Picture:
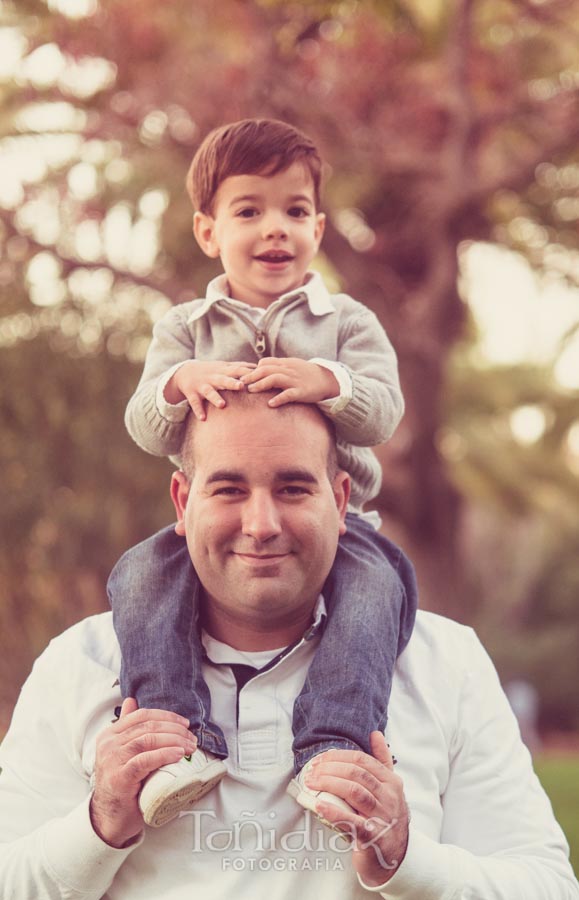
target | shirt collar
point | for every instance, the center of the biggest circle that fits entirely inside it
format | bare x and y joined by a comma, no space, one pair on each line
223,654
314,290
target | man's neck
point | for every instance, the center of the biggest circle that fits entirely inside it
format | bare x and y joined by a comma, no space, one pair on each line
249,637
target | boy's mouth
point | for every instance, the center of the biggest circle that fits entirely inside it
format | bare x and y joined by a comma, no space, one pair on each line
275,256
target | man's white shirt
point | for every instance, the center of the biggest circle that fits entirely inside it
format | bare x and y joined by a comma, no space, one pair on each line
481,826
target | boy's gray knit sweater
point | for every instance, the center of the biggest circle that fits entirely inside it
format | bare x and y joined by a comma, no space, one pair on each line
309,323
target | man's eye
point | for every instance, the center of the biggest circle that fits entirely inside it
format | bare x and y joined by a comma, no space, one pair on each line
294,490
227,491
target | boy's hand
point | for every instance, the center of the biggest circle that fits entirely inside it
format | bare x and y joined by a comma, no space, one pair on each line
378,823
197,381
299,380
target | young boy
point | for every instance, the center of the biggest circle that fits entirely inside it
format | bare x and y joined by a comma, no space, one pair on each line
267,322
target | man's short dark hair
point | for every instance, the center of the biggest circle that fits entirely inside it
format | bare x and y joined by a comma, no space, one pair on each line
249,147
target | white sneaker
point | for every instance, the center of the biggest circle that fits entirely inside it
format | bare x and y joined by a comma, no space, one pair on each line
308,797
178,786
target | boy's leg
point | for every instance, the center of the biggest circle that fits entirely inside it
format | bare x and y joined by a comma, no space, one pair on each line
154,592
371,600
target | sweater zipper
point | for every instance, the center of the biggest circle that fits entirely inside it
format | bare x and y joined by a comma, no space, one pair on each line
260,344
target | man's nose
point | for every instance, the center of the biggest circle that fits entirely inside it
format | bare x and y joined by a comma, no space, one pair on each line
261,519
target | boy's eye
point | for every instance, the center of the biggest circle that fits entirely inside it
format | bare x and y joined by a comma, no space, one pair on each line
247,212
298,212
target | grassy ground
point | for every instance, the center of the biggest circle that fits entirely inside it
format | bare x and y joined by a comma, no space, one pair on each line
560,777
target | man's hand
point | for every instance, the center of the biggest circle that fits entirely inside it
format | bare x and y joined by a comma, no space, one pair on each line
299,380
197,381
379,823
139,743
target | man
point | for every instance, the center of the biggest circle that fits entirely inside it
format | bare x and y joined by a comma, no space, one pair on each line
261,507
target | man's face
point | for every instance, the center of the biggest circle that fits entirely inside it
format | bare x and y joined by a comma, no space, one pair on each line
262,521
266,230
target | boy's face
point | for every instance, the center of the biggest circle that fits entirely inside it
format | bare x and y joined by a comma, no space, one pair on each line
266,230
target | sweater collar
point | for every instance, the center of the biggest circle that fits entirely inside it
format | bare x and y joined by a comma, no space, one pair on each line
314,291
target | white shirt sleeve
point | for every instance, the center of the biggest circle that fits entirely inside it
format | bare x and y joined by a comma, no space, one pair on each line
336,404
499,838
48,848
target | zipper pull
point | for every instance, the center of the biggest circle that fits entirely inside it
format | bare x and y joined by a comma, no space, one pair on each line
260,343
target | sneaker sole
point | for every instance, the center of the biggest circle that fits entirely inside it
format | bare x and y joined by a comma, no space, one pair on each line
308,801
176,799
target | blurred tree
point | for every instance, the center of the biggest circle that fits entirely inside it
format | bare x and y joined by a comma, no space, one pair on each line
442,123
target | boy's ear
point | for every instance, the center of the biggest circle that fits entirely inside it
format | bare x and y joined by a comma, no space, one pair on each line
204,231
320,227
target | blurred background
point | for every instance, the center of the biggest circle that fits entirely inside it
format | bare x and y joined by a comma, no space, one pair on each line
451,134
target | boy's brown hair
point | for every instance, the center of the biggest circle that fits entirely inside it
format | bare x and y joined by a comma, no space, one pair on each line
249,147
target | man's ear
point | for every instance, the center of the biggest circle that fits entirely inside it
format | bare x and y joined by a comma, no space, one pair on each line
204,231
341,489
180,487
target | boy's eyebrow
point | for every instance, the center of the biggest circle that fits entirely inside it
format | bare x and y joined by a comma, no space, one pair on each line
244,198
253,198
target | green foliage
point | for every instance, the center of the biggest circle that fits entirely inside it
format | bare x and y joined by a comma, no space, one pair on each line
75,490
441,124
560,778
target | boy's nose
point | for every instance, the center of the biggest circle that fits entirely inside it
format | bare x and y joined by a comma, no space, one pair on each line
274,226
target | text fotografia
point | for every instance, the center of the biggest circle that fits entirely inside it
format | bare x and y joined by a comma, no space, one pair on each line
247,837
281,864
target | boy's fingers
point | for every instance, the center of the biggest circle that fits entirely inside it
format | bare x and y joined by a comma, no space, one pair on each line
268,382
212,396
227,383
197,405
242,369
290,396
252,377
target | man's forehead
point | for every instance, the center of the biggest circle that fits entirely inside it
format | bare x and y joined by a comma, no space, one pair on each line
246,430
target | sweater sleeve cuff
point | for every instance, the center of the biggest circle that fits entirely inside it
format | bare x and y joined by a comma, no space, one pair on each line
336,404
424,873
78,857
172,412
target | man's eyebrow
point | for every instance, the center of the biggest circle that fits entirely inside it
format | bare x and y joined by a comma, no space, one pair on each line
303,475
225,475
236,477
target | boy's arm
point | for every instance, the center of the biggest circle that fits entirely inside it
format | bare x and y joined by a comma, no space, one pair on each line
360,391
376,407
172,383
